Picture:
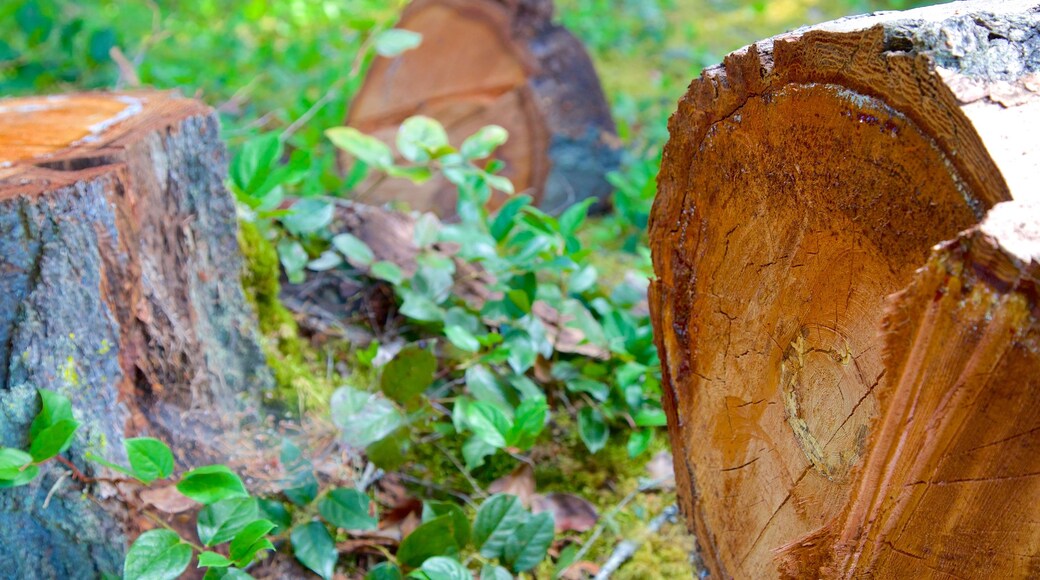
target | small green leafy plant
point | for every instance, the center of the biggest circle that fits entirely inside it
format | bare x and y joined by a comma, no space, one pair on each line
540,288
230,519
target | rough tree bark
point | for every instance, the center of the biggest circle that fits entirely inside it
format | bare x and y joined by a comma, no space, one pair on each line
120,289
805,181
499,62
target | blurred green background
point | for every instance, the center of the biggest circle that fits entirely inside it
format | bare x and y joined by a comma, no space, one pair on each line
265,64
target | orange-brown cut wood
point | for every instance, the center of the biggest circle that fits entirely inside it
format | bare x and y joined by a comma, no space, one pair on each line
806,179
501,62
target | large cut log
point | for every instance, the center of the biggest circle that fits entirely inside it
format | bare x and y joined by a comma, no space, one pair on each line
121,290
806,179
495,62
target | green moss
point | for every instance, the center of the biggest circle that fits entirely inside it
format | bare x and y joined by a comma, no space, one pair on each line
298,369
605,479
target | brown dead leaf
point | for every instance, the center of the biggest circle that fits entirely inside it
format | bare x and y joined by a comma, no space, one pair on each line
581,570
565,338
366,544
569,511
167,499
519,483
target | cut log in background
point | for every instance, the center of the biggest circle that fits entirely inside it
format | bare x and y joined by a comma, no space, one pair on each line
500,62
120,289
836,409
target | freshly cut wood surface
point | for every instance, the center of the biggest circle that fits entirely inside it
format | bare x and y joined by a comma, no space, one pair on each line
952,482
805,181
499,62
121,290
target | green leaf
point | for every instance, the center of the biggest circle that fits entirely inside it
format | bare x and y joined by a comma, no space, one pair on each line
426,229
157,555
300,485
368,150
15,468
314,548
506,216
419,307
54,407
389,453
639,442
491,572
484,142
274,510
571,219
433,538
293,258
462,338
25,476
474,450
226,574
348,509
387,271
485,386
418,174
583,280
363,418
527,546
444,568
528,422
52,440
419,137
150,459
434,509
488,422
211,483
249,541
356,251
12,461
221,521
395,41
497,520
592,428
384,571
307,216
599,391
326,261
408,374
213,560
254,163
649,417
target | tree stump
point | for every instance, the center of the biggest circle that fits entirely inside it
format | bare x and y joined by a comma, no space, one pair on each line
121,290
805,182
500,62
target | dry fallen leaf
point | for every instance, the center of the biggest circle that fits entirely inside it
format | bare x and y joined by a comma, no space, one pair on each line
569,511
167,499
519,483
581,570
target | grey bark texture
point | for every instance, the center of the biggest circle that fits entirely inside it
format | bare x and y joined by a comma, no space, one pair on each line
121,290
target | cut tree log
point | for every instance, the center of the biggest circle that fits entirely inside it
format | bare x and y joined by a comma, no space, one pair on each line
121,290
495,62
805,181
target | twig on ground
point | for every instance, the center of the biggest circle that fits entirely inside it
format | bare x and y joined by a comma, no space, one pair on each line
430,485
627,548
370,475
54,488
602,521
476,486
